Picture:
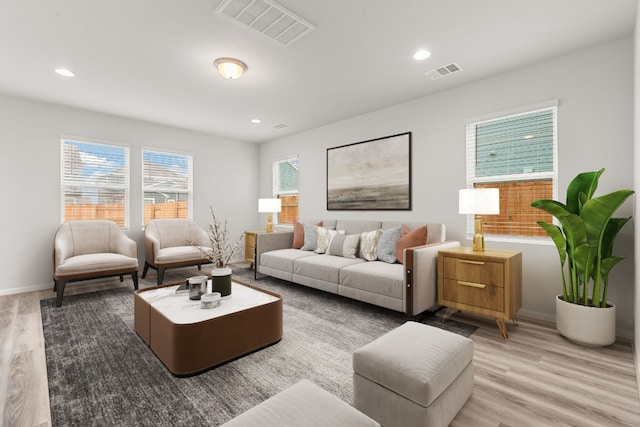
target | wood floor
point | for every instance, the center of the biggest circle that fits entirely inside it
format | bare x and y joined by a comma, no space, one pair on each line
536,378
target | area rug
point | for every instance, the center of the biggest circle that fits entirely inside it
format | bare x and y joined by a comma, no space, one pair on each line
101,373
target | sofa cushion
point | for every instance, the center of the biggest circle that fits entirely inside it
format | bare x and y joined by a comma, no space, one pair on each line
91,237
174,233
377,277
302,405
410,239
387,241
324,239
83,264
310,237
344,246
369,244
356,226
323,267
179,254
298,234
283,259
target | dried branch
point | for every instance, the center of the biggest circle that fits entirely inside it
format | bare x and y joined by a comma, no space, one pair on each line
220,250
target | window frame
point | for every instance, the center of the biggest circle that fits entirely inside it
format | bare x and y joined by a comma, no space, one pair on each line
188,191
126,185
471,179
275,186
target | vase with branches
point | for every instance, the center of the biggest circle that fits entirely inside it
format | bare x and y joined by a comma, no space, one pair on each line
220,252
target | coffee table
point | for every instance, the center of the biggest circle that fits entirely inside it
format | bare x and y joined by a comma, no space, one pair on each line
189,340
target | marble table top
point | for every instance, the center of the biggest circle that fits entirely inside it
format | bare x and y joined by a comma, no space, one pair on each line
179,309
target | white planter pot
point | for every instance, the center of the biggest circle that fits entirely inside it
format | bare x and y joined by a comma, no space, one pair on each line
589,326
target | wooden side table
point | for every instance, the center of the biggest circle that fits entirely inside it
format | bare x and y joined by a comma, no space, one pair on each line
250,238
487,283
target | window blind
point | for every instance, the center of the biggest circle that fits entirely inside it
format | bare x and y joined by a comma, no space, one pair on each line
94,181
167,185
518,155
285,187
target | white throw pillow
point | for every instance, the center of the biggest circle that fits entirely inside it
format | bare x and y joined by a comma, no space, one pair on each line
344,246
324,239
369,244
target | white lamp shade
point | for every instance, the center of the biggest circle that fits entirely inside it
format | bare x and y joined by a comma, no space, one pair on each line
479,201
269,205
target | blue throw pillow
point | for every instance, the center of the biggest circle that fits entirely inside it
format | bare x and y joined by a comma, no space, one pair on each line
387,244
310,237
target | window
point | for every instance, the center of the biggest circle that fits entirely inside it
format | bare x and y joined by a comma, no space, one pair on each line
94,181
285,187
167,185
517,154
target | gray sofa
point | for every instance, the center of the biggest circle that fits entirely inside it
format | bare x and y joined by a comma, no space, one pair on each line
408,286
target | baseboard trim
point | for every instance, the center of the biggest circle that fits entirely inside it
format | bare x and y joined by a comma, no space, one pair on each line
624,334
25,289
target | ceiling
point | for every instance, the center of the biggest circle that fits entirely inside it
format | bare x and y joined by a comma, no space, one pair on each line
152,60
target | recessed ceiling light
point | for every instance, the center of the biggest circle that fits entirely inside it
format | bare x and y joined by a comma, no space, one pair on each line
64,72
256,121
527,137
421,55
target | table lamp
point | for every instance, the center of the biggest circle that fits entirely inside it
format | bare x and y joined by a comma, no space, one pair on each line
269,206
479,201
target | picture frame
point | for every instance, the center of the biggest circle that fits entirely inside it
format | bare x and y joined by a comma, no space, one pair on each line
370,175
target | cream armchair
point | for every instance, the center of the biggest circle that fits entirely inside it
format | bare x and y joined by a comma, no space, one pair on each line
168,243
92,249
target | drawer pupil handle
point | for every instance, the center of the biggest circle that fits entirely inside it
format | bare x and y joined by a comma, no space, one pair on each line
471,284
466,261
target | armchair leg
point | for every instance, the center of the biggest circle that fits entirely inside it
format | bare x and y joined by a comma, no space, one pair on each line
199,266
134,276
59,286
121,278
160,276
145,269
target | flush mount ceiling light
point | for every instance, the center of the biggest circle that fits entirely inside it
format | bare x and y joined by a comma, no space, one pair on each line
64,72
230,68
421,55
256,121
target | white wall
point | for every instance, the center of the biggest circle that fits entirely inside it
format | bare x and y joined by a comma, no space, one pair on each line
225,175
636,186
594,89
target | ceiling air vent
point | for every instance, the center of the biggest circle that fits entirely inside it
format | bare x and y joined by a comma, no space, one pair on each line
268,18
445,70
279,126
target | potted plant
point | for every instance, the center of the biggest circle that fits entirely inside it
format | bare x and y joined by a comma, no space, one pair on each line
585,240
220,252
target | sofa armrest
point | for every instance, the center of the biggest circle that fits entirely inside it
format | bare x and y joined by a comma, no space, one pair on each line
266,242
421,279
62,246
124,245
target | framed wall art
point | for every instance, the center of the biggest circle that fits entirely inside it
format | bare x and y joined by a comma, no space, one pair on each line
370,175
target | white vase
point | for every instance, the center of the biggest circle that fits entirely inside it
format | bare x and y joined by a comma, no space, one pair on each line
221,281
589,326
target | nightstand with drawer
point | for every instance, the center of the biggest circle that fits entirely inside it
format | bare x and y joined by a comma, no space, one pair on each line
487,283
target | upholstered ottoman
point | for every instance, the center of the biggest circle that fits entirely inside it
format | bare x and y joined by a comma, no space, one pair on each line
415,375
302,405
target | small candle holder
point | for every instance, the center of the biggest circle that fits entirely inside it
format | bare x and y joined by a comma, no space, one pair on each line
211,300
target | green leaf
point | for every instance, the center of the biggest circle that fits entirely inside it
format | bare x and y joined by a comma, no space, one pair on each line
581,189
597,211
556,235
553,207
